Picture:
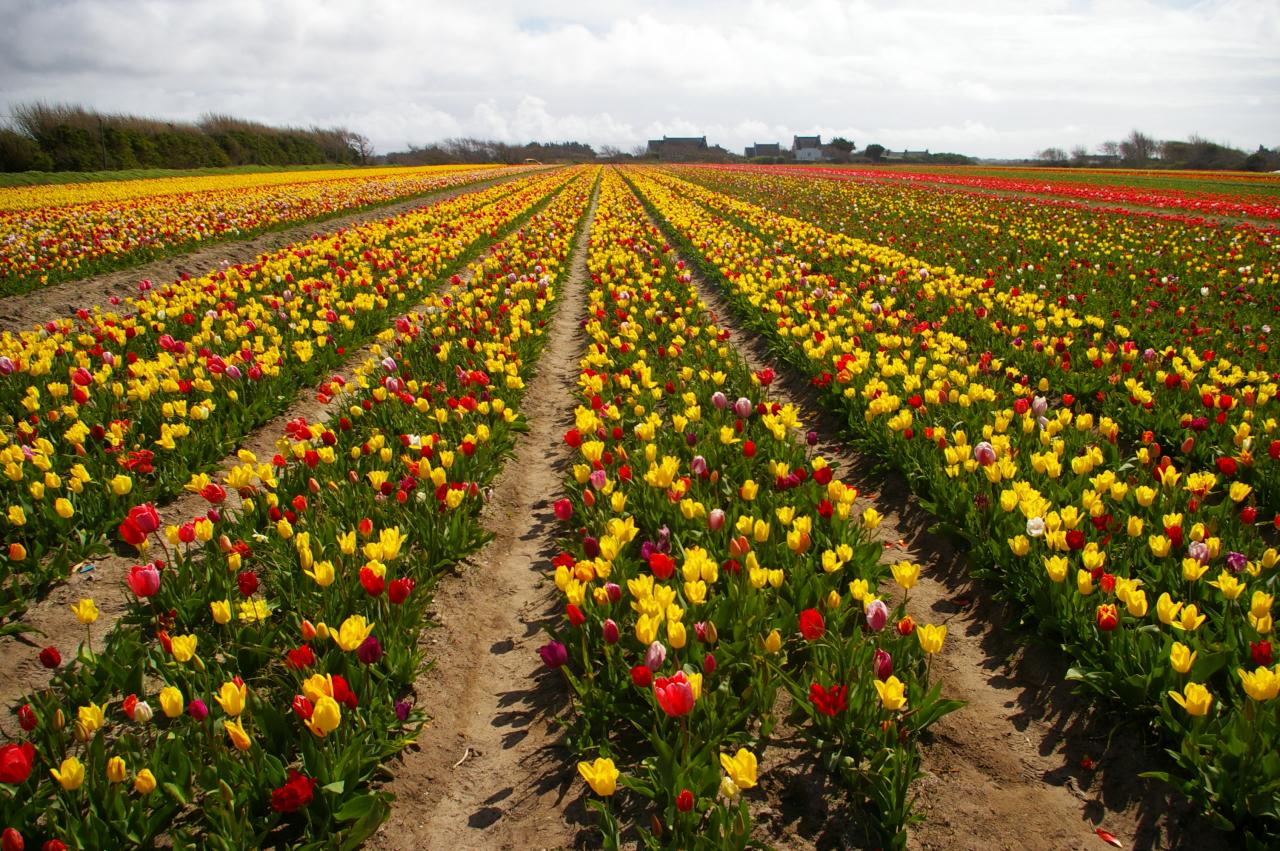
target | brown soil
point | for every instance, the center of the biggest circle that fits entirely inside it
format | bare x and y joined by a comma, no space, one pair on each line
488,771
20,312
1004,772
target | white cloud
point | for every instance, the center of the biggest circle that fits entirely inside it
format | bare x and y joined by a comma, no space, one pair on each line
984,77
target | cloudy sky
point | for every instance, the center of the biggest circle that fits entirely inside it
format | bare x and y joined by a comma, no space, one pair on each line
979,77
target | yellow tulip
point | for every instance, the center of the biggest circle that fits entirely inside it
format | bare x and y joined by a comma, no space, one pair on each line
236,732
601,776
893,693
70,774
63,507
232,698
1181,657
931,637
326,717
1262,684
906,574
116,770
86,611
184,647
352,633
740,768
171,701
1195,698
221,610
145,782
773,642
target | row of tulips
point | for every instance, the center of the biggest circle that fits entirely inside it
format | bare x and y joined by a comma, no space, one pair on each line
712,561
56,233
1208,399
108,408
1154,576
263,674
1195,202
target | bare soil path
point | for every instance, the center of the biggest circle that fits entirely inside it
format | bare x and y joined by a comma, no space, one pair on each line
19,312
488,772
1006,771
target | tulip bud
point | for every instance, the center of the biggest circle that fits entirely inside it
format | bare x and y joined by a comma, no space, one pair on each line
116,770
614,590
655,656
715,520
610,632
142,712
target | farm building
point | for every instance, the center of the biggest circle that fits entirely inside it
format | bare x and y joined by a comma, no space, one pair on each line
764,149
807,148
676,147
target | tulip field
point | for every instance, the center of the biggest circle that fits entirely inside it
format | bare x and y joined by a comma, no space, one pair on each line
1085,398
55,233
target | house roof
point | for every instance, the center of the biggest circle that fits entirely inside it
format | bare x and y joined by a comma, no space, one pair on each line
807,141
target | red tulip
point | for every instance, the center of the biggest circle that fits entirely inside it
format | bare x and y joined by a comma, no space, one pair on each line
662,565
1108,617
372,582
15,762
563,509
674,694
684,801
399,590
295,794
812,627
50,657
144,518
829,701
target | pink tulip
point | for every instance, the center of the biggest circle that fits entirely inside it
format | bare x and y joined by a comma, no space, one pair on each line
877,615
715,520
144,579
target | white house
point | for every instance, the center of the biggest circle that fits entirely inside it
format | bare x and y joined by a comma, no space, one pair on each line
807,149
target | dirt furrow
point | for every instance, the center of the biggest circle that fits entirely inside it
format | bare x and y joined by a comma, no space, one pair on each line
1025,764
488,772
20,312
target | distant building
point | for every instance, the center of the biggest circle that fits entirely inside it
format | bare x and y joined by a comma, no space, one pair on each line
677,147
765,149
904,155
807,149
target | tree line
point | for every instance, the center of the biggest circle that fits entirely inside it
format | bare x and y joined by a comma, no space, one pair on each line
468,150
67,137
1139,150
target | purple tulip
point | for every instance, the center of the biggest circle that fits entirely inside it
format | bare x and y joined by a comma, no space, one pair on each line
198,710
715,520
1236,562
610,631
370,651
655,656
554,654
590,547
402,710
614,590
882,664
719,400
743,407
698,466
